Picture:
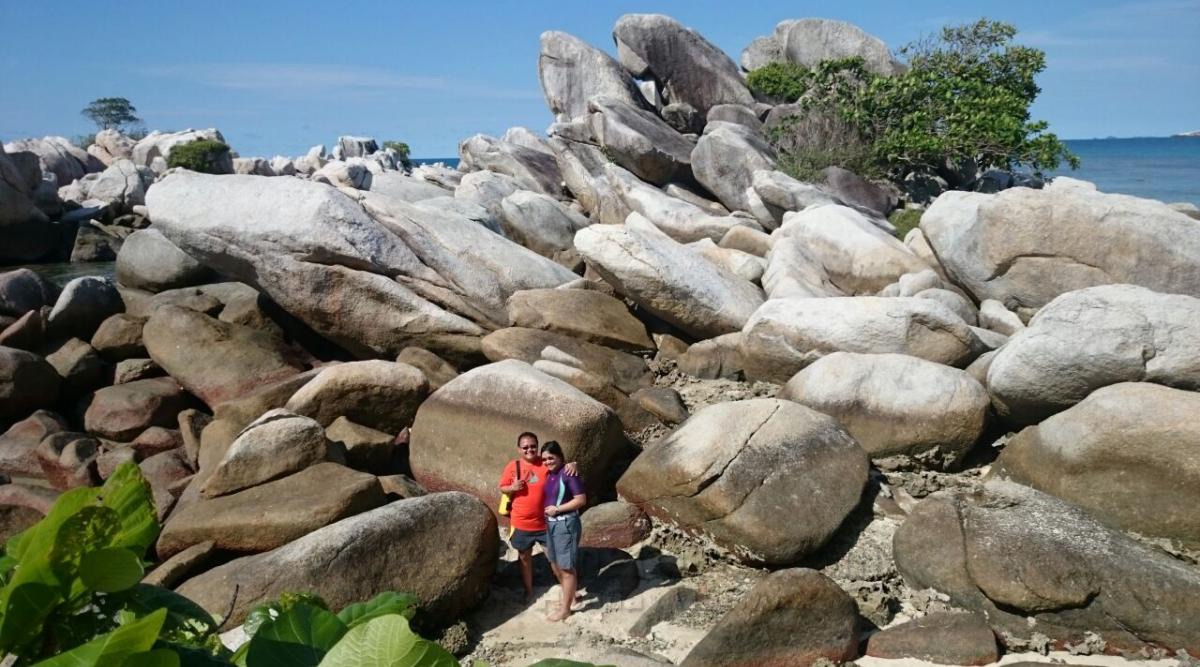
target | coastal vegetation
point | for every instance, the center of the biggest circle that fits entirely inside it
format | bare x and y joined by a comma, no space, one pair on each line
204,155
963,98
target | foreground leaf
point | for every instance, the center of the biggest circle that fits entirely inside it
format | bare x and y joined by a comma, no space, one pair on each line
388,602
111,570
387,641
300,636
114,648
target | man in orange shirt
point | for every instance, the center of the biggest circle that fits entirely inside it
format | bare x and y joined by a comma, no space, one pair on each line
527,515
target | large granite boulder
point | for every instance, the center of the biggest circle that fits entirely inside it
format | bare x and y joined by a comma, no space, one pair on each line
216,361
808,42
533,169
405,187
466,432
160,144
374,285
1127,454
123,411
84,303
122,185
583,167
1034,564
25,230
275,445
785,335
23,290
58,156
18,445
734,469
1024,247
668,279
541,223
796,617
627,372
857,256
584,314
944,638
110,145
724,161
149,261
27,382
272,514
379,394
688,68
682,220
572,72
441,548
896,404
1091,338
640,141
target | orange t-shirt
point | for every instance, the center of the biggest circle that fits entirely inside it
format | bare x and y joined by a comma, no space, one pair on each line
527,512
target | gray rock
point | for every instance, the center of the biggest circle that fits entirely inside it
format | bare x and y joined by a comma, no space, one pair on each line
733,469
1126,454
465,209
667,279
993,315
122,186
436,370
149,261
683,221
367,449
1091,338
58,156
724,161
27,382
808,42
689,68
572,72
858,191
792,617
79,366
348,146
625,371
945,638
23,290
18,445
1035,564
782,193
84,303
120,337
785,335
640,141
487,189
896,405
405,188
748,240
585,314
122,411
383,395
532,169
275,445
540,222
441,548
715,358
662,402
735,113
583,168
159,145
1025,247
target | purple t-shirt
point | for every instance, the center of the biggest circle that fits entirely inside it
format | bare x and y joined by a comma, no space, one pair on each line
571,487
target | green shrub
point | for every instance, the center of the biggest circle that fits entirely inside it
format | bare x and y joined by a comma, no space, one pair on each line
402,151
964,97
779,82
206,156
905,220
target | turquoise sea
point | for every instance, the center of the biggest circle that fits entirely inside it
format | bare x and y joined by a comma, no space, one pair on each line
1163,168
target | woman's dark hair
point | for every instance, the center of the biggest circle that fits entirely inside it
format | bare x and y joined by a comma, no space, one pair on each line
552,447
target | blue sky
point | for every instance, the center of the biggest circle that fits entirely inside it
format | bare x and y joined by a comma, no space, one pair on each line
278,77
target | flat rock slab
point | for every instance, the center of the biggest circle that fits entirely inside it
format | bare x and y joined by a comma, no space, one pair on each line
585,314
122,411
272,514
944,638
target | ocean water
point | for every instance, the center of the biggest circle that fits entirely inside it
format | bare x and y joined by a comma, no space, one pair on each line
1163,168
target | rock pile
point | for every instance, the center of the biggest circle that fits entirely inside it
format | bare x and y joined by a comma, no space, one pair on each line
290,341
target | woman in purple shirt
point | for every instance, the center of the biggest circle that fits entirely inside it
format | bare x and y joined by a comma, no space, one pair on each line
564,498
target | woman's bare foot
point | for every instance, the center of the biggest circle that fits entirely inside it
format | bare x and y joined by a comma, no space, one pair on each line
557,616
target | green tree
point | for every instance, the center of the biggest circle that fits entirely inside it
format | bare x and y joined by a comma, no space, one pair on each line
401,149
964,98
112,113
206,156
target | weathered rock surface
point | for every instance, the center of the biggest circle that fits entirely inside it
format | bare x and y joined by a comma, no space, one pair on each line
895,404
79,366
467,430
270,515
441,548
540,222
58,156
27,382
160,144
383,395
120,337
690,69
944,638
1091,338
614,525
436,370
625,371
733,469
405,188
84,303
681,220
122,411
785,335
275,445
532,169
667,279
23,290
724,161
857,191
366,448
640,141
807,42
214,360
18,445
1015,554
1025,247
149,261
792,617
1127,454
584,314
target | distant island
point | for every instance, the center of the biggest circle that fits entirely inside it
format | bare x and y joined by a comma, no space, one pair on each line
1193,133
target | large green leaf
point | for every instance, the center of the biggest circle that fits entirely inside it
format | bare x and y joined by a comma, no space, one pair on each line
114,648
388,602
159,657
386,641
300,636
111,570
25,609
128,494
187,622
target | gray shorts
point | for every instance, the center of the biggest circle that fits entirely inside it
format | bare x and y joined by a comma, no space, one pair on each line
562,541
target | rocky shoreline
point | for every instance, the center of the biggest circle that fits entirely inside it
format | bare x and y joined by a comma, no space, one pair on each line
809,440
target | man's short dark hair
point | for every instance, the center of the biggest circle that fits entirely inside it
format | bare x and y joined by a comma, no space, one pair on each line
552,447
527,434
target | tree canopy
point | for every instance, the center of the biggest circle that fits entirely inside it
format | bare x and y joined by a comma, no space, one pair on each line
111,113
